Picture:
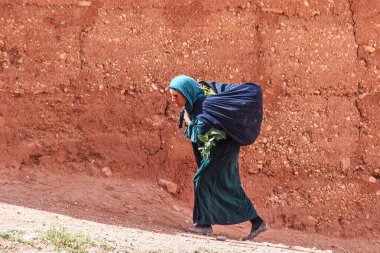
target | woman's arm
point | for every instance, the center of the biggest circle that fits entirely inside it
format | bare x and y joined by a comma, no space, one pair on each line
187,118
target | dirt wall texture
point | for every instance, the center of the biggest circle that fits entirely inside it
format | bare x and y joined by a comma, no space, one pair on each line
83,87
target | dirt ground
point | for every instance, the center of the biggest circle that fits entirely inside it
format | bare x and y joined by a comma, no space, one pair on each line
138,204
83,102
31,237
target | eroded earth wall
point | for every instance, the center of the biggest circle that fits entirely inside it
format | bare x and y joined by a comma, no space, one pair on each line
83,87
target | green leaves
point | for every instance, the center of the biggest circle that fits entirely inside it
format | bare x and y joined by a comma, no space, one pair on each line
208,91
209,140
203,138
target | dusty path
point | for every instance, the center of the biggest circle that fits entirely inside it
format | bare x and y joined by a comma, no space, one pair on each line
32,222
136,204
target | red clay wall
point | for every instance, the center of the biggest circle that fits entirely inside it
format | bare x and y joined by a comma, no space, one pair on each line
82,87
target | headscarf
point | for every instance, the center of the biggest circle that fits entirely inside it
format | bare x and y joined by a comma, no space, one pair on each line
189,88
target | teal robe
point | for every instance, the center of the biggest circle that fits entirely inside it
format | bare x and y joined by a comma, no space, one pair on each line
219,196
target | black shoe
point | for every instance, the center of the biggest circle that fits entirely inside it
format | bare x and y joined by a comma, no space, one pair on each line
200,230
263,227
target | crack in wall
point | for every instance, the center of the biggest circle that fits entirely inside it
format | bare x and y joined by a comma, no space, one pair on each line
350,3
82,34
359,90
167,107
361,120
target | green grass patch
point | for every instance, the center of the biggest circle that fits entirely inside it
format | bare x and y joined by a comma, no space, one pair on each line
5,235
103,245
203,250
14,236
71,242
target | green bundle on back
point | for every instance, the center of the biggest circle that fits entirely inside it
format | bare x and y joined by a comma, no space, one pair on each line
209,140
207,89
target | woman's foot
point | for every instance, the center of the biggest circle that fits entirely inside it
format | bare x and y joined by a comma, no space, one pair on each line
200,229
258,226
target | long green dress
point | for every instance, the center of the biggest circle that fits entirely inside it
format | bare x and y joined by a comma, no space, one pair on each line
219,196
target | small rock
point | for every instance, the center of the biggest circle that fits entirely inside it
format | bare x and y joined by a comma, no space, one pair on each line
221,238
315,13
372,180
363,63
252,170
306,3
361,96
378,193
154,87
275,10
317,92
107,172
84,3
369,49
346,163
311,221
176,208
62,56
169,186
30,237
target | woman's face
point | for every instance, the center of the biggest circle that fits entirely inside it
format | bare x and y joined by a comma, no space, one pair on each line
177,98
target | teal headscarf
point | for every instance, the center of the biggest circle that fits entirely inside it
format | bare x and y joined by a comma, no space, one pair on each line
189,88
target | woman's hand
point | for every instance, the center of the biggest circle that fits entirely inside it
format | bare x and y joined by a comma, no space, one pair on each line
187,118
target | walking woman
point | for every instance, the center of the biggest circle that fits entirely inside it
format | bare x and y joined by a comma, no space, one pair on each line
219,196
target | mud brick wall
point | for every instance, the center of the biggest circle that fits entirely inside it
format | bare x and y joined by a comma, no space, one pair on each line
83,87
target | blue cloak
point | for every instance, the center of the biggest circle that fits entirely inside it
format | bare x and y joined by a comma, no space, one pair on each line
235,109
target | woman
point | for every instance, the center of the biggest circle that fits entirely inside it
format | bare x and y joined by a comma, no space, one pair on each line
219,197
